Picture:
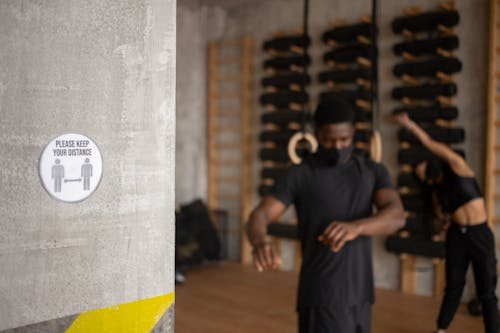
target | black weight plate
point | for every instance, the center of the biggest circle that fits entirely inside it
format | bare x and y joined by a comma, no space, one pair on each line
416,246
278,154
426,91
273,173
278,137
427,46
429,67
283,117
348,54
286,63
446,135
345,76
282,99
415,155
429,113
362,135
426,21
286,43
415,202
285,80
348,95
348,33
408,180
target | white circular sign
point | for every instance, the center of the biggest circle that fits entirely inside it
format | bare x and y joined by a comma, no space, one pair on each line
71,167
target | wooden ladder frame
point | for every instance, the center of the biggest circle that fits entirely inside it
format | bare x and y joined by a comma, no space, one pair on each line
409,275
244,94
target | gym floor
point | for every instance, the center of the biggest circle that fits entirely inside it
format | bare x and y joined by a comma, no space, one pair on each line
233,298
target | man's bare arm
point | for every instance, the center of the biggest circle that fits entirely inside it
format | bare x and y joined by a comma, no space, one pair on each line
389,218
267,211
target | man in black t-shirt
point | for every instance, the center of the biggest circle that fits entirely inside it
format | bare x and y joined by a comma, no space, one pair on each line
333,191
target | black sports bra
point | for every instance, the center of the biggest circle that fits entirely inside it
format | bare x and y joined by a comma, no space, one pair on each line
455,191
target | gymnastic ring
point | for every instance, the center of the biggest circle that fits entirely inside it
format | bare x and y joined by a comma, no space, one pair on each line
376,147
294,140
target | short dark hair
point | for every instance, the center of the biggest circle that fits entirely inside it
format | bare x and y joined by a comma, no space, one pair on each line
334,111
434,168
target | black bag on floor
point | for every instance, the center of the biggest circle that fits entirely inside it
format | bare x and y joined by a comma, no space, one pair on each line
187,249
197,218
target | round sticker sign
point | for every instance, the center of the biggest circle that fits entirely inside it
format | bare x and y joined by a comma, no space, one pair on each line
71,167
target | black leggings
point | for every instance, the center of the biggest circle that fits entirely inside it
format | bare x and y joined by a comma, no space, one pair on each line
473,244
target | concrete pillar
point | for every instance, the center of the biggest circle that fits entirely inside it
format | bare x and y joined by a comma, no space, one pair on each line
105,69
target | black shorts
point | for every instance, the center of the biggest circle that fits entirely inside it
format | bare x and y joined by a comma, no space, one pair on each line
355,319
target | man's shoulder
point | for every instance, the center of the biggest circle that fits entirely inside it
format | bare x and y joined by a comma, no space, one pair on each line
368,162
365,158
296,170
368,165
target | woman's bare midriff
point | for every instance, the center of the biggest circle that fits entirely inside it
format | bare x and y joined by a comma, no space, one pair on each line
471,213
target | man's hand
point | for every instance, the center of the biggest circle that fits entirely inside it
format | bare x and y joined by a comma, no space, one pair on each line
265,256
338,233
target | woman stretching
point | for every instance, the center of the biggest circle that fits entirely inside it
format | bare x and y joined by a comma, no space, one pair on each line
468,239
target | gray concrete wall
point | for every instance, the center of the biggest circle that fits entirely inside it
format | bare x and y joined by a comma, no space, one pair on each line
191,176
105,69
197,22
258,18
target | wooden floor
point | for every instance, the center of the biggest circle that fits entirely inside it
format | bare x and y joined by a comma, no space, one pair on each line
233,298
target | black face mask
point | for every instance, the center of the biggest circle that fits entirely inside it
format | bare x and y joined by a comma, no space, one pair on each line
334,156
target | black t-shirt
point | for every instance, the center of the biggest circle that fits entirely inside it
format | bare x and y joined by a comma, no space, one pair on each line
323,194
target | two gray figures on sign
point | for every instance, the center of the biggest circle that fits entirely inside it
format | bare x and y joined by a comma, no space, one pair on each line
58,175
